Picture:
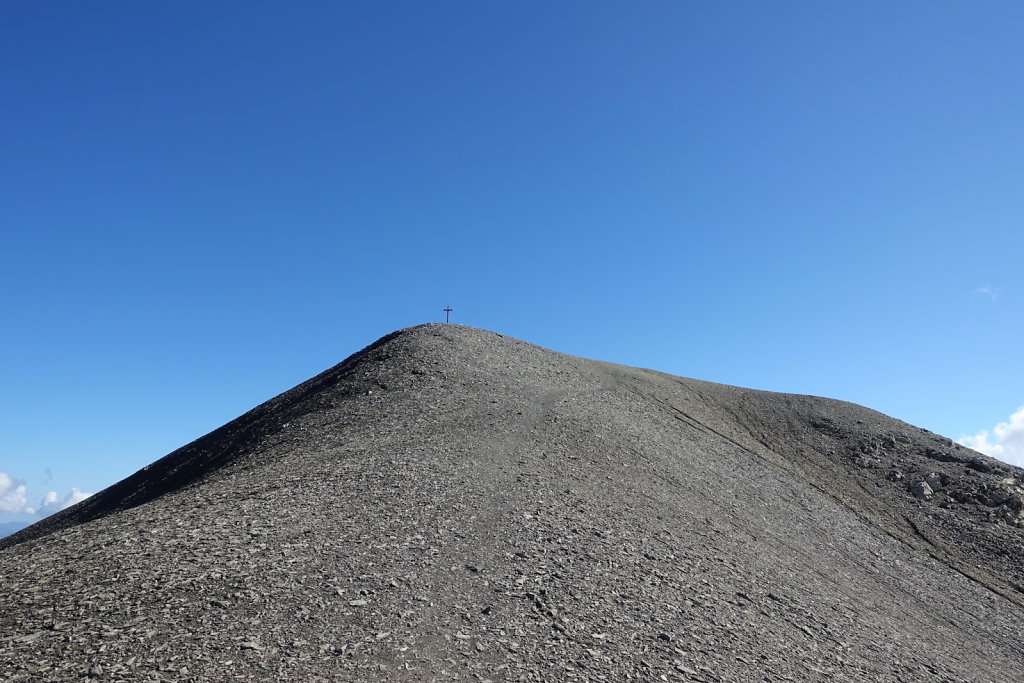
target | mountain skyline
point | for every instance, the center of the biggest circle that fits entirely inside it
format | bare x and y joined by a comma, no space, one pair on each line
8,528
208,203
1004,442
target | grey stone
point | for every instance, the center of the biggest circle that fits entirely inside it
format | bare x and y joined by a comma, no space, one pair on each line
922,491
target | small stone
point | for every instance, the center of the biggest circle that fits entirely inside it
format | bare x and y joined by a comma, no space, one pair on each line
922,491
666,637
357,603
250,645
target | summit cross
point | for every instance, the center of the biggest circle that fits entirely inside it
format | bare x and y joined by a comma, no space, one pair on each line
447,312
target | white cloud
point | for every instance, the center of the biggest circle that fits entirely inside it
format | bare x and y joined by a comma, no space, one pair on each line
13,495
14,498
989,291
1005,441
52,503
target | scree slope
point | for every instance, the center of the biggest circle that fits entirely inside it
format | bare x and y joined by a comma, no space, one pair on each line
451,504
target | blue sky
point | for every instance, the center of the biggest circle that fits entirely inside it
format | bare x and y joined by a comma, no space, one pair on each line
204,204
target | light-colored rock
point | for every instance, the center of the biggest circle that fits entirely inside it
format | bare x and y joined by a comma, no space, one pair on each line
922,491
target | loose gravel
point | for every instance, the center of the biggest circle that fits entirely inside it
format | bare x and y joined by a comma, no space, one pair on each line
451,504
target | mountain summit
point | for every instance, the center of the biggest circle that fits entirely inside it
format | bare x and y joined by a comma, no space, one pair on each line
452,504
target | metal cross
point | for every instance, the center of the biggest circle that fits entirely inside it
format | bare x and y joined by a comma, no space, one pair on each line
447,312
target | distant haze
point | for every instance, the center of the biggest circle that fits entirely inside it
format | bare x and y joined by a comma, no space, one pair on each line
8,528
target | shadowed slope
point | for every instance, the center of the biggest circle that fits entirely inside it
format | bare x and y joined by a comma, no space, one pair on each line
453,504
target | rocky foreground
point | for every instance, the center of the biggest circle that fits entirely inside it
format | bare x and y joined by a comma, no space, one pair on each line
450,504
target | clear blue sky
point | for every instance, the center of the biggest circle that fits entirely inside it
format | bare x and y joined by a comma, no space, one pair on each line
203,204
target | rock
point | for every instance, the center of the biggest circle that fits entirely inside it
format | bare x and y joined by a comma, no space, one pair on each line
997,496
867,462
934,480
1011,516
922,491
979,465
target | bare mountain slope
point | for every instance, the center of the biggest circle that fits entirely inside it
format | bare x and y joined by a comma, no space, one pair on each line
451,504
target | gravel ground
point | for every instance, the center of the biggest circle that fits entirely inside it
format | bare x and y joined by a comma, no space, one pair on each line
451,504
